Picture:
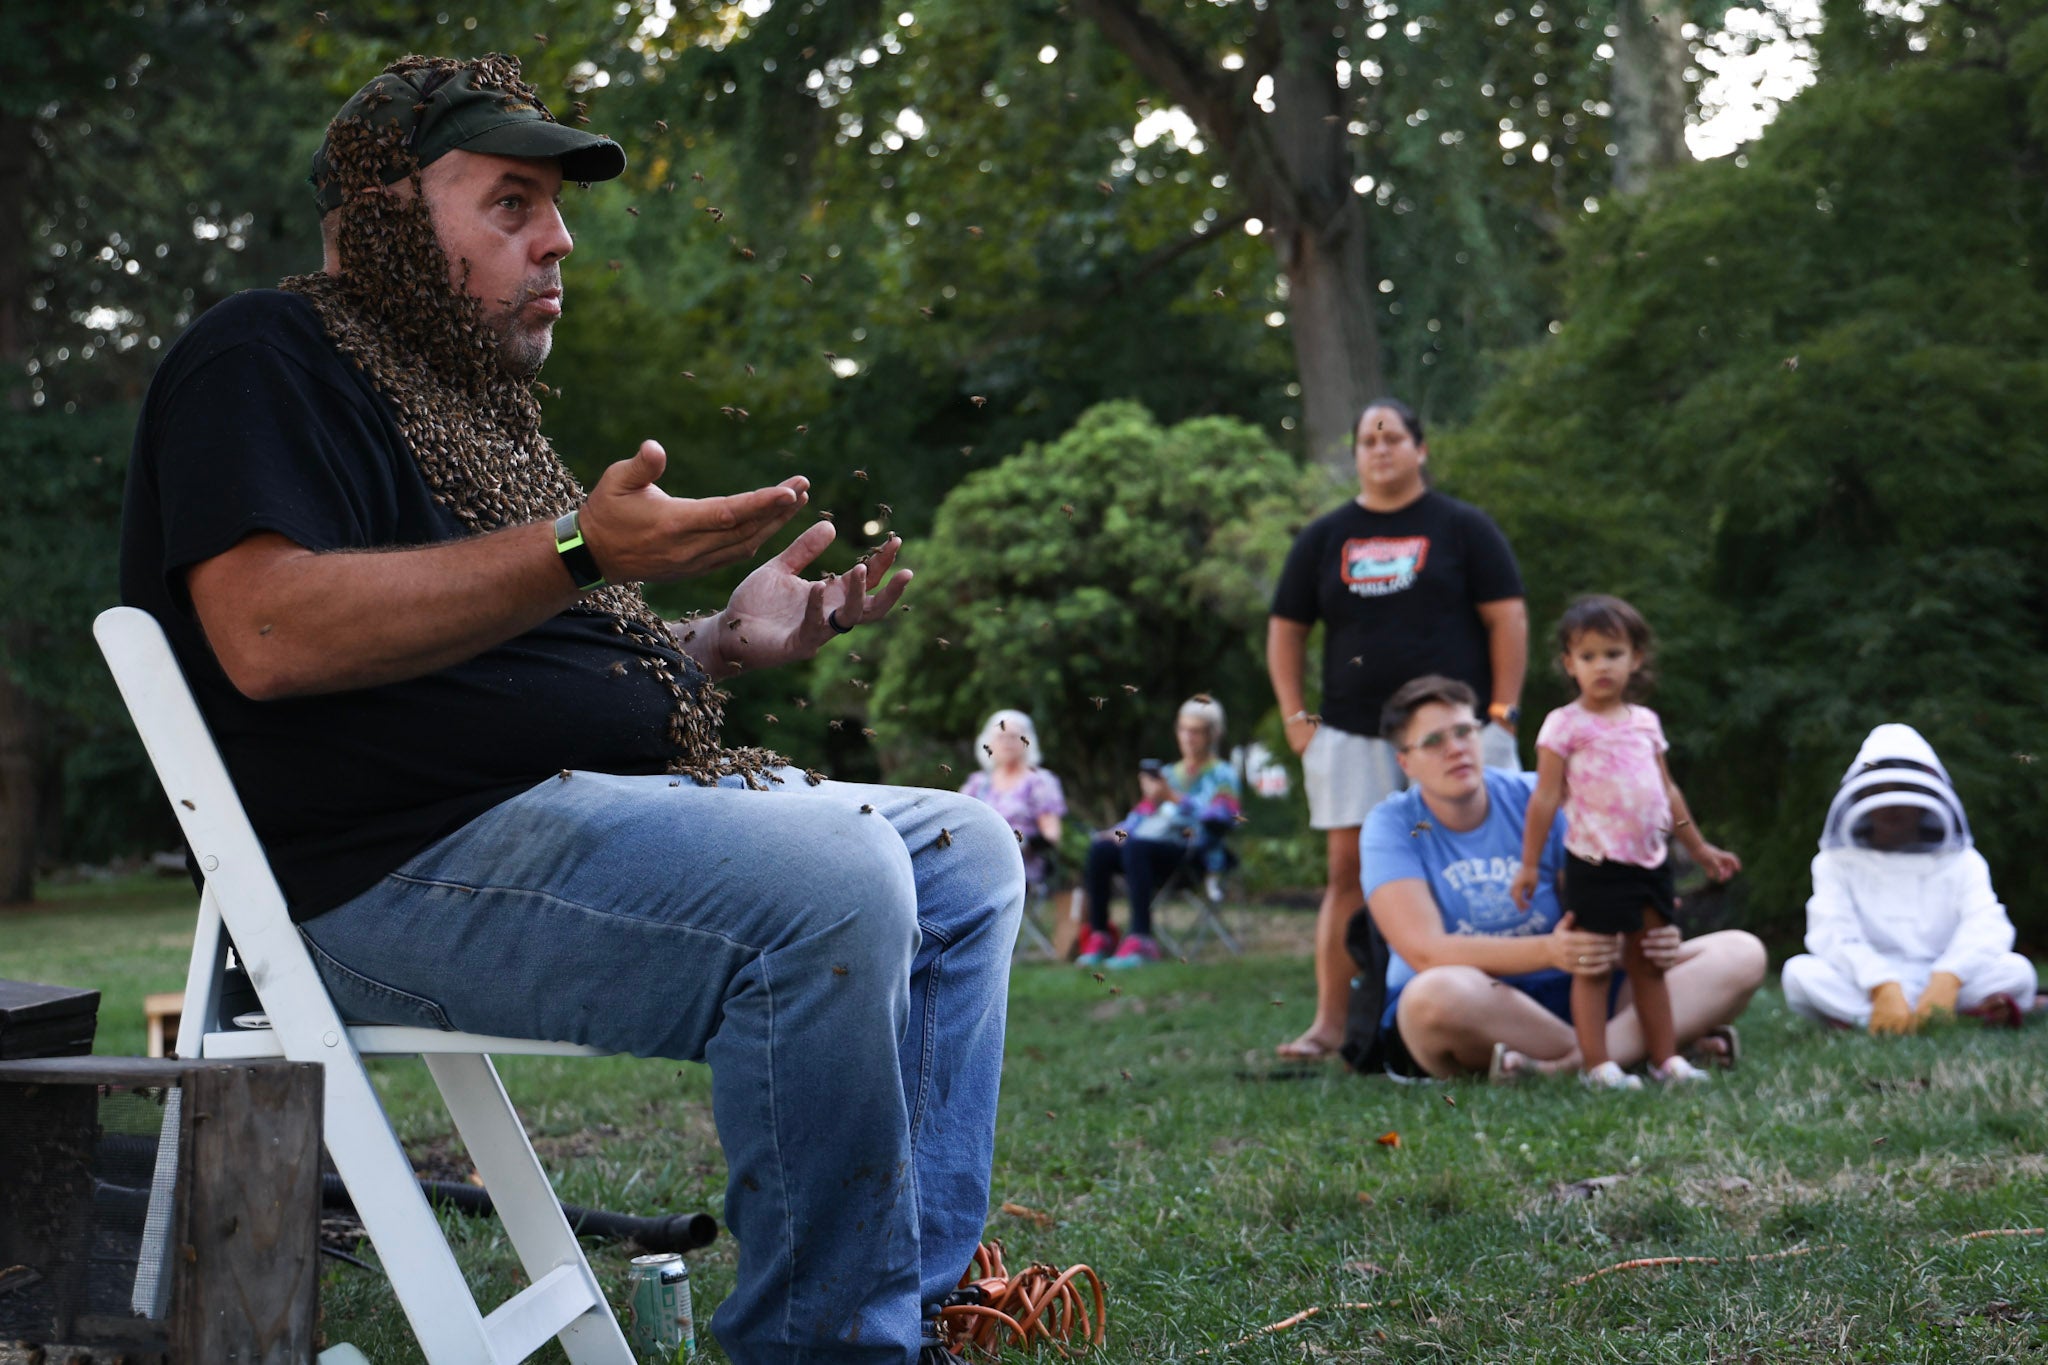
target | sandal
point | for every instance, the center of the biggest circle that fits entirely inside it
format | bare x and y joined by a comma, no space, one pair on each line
1723,1058
1308,1049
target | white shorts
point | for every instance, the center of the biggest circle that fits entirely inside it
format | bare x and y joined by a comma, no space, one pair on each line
1346,775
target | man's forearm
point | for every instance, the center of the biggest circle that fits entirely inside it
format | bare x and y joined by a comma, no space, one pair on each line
286,622
1507,648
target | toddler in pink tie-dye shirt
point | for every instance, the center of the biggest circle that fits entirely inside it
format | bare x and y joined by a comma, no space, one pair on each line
1602,759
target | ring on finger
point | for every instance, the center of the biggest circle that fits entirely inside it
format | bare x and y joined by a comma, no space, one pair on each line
832,620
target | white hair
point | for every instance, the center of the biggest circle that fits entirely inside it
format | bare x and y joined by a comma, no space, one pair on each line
1210,712
1006,722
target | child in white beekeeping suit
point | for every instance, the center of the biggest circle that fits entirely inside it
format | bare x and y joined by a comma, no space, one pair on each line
1903,925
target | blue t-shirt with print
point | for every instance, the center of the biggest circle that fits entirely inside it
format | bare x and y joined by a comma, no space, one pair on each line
1468,874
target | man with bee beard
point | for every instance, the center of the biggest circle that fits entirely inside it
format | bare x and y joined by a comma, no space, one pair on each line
489,777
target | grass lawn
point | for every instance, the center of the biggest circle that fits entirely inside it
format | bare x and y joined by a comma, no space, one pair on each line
1216,1192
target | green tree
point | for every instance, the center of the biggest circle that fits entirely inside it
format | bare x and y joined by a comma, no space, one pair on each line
1095,582
1797,412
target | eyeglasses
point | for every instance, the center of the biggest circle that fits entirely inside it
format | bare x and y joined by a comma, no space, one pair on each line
1436,739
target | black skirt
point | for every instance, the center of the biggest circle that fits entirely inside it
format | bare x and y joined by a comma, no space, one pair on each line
1610,897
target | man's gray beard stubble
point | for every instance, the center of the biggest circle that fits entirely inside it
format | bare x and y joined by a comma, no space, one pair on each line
522,352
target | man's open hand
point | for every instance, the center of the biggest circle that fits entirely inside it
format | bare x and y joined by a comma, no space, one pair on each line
640,534
777,616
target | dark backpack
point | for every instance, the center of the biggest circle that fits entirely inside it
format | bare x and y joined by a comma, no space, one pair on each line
1364,1050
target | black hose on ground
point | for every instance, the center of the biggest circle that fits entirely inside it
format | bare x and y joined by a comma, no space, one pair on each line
670,1232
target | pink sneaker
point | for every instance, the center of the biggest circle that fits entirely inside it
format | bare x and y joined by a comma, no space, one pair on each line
1096,946
1135,951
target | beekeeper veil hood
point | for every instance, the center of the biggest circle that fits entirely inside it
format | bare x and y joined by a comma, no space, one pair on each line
1896,798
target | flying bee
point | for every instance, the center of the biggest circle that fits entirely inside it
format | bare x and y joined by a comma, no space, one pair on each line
942,642
1130,689
1067,510
885,509
688,375
750,371
861,474
1121,834
771,718
805,278
926,311
946,768
836,724
1098,701
661,125
979,400
697,176
630,209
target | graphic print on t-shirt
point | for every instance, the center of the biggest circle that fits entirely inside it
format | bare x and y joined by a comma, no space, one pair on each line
1381,565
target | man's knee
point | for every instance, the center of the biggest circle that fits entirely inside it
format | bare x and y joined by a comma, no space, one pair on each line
1743,957
1438,1004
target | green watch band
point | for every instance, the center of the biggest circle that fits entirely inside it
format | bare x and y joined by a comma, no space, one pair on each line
576,556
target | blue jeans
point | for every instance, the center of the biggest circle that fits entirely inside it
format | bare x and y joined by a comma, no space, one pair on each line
845,976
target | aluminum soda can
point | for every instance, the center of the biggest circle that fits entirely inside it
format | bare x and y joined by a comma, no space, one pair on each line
663,1328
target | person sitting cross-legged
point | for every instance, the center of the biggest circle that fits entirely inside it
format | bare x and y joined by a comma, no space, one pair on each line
1472,982
1903,927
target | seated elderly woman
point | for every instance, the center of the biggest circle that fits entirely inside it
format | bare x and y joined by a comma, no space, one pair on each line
1027,796
1903,926
1202,794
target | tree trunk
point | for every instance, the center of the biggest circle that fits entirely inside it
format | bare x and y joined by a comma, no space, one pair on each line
1292,171
20,742
1650,98
1320,233
18,790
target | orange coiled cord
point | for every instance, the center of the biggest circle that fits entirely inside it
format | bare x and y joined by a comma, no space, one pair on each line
1039,1304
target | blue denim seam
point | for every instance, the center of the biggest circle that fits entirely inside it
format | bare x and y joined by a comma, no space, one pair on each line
931,1028
324,962
775,1139
551,897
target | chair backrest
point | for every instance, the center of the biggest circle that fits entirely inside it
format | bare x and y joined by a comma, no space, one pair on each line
241,892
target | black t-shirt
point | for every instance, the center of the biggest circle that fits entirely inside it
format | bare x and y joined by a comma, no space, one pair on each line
1398,594
253,423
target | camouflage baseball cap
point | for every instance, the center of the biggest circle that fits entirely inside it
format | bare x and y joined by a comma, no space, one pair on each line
443,107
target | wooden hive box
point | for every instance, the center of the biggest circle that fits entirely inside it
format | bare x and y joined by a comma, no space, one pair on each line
160,1212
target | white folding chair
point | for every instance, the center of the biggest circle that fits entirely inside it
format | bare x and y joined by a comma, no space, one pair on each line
242,902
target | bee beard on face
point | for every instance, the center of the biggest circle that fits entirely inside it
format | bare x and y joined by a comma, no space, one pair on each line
444,364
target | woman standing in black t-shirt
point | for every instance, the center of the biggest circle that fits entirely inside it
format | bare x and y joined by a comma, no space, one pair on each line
1406,581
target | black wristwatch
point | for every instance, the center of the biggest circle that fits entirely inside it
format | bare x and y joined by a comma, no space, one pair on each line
576,556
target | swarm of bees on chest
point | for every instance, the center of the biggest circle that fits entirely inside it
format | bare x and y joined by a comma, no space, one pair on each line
471,421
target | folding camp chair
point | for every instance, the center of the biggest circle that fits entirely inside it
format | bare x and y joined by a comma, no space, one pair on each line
1044,902
241,902
1194,886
